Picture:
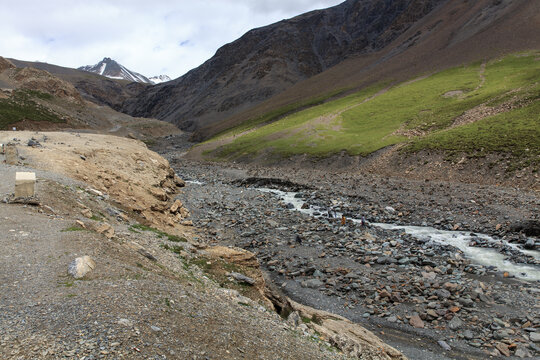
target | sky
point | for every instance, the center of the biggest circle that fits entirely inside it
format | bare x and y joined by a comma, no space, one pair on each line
152,37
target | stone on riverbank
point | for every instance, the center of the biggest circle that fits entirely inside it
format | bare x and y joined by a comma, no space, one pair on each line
81,266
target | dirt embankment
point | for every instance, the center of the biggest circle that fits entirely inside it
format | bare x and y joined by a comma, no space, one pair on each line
136,178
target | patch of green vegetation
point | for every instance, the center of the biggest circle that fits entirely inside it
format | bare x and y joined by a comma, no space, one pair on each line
202,263
66,283
160,234
137,276
175,248
141,266
287,130
72,228
175,238
96,218
515,133
283,111
218,270
20,106
71,295
167,302
37,94
361,123
149,142
314,319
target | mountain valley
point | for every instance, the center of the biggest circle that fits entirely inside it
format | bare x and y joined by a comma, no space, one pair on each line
357,182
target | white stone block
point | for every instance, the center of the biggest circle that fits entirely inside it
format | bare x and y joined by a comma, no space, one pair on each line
25,184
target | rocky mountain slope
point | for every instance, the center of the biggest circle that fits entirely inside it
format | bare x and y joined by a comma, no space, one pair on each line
454,33
98,89
301,61
267,60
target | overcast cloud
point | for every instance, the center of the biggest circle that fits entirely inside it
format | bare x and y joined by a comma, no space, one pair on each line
150,37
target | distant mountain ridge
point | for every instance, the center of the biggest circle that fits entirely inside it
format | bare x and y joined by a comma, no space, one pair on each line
113,70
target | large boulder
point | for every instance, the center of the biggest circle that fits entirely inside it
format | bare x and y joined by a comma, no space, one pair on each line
234,256
528,227
352,339
81,266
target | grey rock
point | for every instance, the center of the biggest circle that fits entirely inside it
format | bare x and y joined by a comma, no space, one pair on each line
500,334
442,294
534,336
312,283
522,352
530,244
466,302
386,260
444,345
125,322
455,323
404,261
242,278
294,319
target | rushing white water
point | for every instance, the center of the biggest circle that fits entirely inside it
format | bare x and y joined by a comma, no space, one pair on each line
458,239
479,255
194,182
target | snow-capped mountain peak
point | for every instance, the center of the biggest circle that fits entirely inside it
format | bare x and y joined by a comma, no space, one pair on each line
159,79
111,69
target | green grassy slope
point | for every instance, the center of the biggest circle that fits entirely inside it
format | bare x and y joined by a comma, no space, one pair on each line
22,106
420,113
515,133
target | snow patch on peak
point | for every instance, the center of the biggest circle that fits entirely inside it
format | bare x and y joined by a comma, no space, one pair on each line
159,79
102,68
113,70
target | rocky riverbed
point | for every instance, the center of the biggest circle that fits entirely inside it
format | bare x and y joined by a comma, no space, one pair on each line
473,296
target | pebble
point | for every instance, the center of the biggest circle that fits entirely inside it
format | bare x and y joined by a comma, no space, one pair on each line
444,345
455,323
416,322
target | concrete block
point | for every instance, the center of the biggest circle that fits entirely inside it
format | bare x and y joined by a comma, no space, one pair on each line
25,183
